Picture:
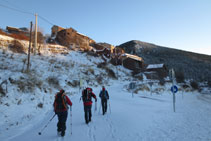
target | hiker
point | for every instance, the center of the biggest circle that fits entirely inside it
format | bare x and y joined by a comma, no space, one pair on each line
104,97
87,95
60,104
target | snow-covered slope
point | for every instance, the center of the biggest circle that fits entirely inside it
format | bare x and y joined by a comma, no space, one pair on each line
27,106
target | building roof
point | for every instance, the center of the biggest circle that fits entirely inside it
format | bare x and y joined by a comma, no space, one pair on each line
132,56
155,66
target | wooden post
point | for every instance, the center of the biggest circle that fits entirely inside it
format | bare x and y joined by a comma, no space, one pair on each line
35,35
28,64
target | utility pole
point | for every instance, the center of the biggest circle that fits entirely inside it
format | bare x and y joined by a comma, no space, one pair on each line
29,47
35,36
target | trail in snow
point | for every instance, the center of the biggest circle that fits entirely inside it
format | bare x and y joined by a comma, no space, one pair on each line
143,117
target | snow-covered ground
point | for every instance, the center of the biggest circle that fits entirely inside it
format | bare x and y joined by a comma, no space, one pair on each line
24,111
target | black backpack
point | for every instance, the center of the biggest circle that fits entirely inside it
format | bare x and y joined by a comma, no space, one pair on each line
86,95
60,102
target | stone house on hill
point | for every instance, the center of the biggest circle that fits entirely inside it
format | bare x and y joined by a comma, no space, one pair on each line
132,62
14,30
156,71
73,40
55,29
102,49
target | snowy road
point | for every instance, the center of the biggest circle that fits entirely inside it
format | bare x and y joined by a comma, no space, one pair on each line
143,117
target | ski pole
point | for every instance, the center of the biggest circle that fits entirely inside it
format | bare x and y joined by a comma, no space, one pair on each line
100,107
71,125
95,105
47,124
109,106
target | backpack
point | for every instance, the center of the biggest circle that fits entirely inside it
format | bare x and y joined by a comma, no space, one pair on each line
104,94
86,95
60,102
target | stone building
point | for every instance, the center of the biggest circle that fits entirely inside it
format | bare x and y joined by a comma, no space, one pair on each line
72,39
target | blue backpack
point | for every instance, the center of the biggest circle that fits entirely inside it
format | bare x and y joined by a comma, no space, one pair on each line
104,94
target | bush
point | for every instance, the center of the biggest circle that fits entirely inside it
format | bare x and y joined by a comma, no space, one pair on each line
179,76
91,71
102,65
53,81
194,85
162,82
185,86
17,47
111,73
19,36
3,33
74,83
2,93
209,83
40,105
99,79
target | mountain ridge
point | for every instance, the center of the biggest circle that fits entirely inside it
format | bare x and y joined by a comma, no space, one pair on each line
193,65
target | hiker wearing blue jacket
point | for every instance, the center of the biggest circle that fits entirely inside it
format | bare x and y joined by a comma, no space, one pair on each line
104,97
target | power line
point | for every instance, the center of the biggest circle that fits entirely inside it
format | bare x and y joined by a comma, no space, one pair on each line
15,6
45,20
25,12
16,9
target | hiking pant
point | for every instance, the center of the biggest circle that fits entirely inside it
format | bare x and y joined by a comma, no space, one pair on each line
88,113
104,105
62,117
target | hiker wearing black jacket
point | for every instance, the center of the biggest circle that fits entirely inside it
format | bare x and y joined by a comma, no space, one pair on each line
104,98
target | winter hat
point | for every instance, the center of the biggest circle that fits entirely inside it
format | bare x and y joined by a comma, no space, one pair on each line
89,89
103,88
62,91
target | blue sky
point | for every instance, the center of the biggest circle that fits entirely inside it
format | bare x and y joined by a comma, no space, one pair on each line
181,24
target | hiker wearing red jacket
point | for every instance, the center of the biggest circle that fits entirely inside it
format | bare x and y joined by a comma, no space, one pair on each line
60,104
87,95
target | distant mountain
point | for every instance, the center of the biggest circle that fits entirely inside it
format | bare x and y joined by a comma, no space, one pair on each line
193,65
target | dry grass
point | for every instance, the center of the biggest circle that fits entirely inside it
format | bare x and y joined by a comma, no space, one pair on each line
20,36
74,83
17,47
91,71
53,81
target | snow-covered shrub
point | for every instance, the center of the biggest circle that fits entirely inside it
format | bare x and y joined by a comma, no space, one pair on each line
102,65
162,82
25,85
53,81
91,71
141,87
194,85
111,73
2,92
74,83
40,105
52,61
99,79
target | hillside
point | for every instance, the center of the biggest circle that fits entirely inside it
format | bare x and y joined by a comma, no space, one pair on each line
194,66
26,106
